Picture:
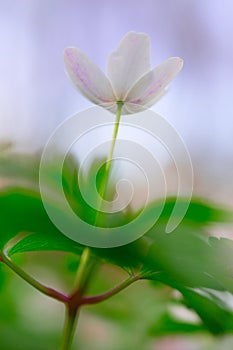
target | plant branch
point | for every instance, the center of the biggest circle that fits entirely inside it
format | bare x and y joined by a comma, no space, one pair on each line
33,282
104,296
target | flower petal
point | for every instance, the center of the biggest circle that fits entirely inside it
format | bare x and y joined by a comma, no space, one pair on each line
131,108
87,77
148,89
129,62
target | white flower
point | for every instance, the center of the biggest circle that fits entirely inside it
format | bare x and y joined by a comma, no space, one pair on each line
129,78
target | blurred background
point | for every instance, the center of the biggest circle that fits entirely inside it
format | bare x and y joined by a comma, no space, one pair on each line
35,94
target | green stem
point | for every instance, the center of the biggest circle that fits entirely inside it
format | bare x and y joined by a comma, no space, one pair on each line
104,184
69,328
81,276
75,300
33,282
85,268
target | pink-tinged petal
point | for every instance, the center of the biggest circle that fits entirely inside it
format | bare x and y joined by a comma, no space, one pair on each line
129,62
148,89
131,108
87,77
112,107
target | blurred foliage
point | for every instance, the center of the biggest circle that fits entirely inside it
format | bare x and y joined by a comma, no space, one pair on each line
187,260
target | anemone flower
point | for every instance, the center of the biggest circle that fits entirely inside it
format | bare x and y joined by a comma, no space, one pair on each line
130,85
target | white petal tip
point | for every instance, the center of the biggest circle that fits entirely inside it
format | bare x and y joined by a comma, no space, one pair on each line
135,34
178,62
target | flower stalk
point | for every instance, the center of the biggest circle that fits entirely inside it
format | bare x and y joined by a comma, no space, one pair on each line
104,183
85,267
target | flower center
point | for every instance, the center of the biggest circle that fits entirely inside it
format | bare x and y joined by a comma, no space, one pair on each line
120,104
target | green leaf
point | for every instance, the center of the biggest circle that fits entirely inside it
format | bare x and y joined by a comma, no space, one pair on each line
222,249
213,308
201,269
23,211
167,325
199,211
182,256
